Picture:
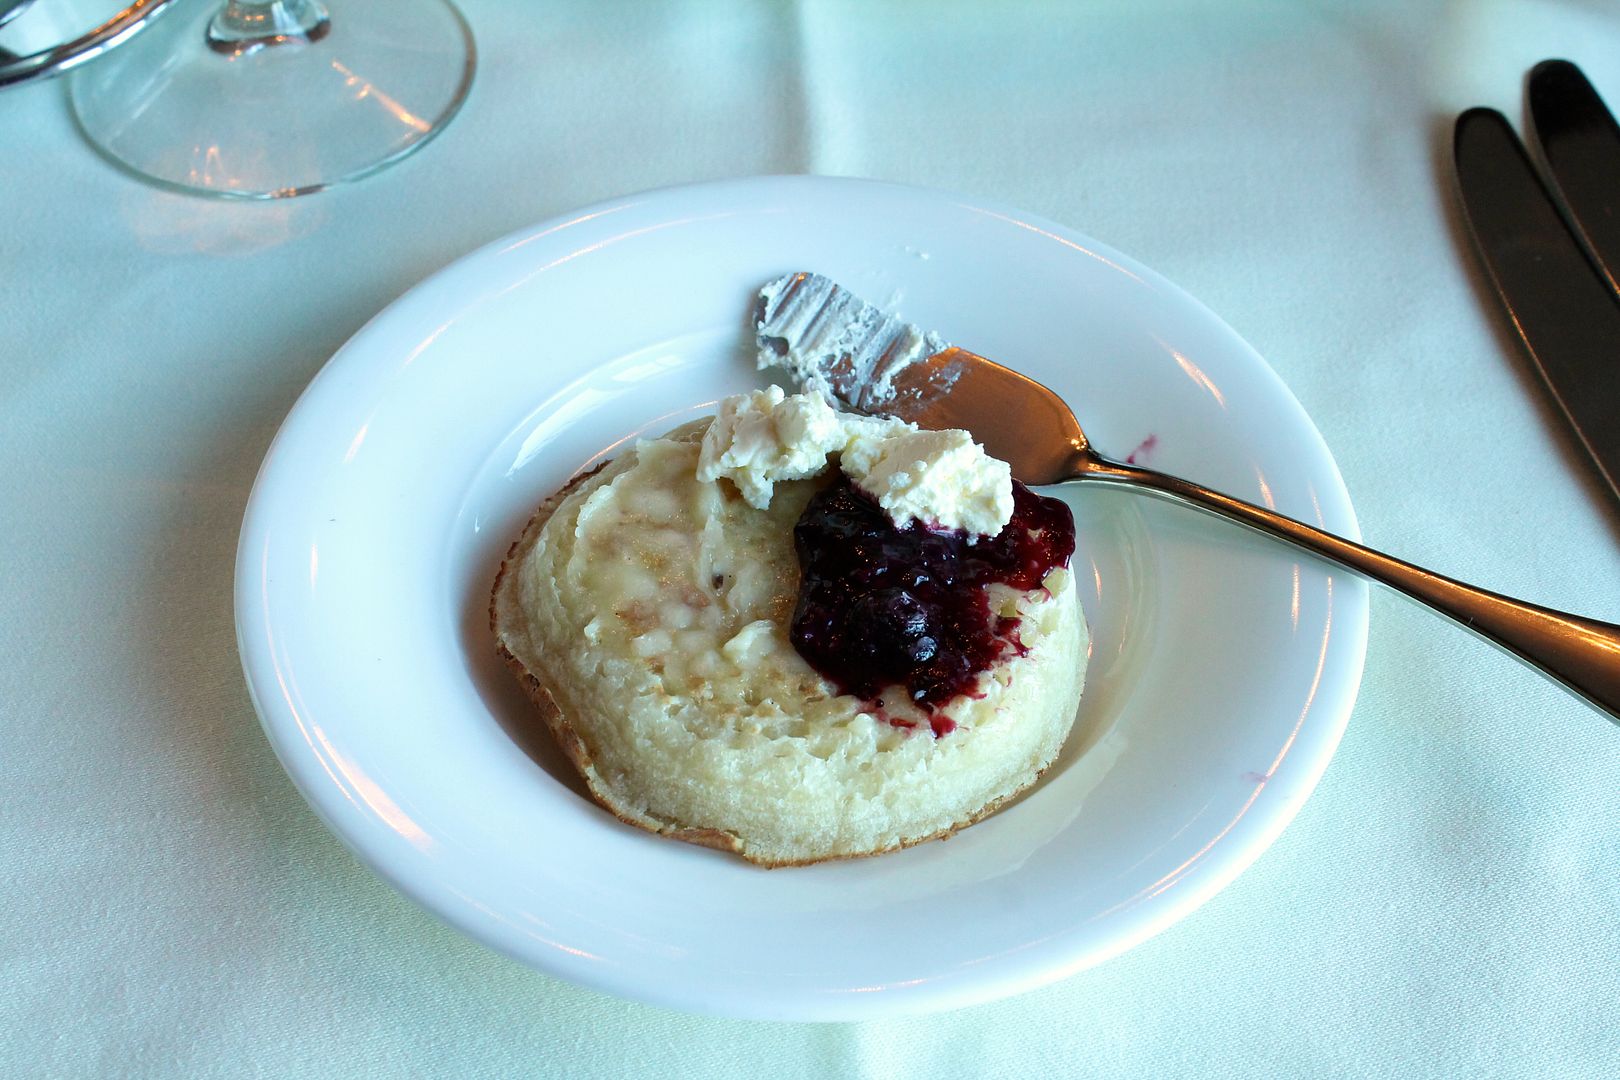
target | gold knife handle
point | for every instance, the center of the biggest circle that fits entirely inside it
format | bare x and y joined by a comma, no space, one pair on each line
1582,654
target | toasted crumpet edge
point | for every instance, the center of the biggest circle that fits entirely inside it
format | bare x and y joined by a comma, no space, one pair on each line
544,698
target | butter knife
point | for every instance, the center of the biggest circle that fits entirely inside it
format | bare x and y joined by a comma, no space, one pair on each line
806,324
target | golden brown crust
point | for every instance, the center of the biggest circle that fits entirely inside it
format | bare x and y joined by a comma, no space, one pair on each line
536,522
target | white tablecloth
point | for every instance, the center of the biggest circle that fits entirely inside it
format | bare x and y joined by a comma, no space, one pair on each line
1447,904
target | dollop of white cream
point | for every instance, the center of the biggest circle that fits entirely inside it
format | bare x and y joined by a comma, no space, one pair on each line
762,438
941,478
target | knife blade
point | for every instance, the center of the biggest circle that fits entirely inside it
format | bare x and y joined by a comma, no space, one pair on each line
1581,145
1560,304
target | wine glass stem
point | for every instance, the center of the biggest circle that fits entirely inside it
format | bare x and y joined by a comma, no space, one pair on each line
244,26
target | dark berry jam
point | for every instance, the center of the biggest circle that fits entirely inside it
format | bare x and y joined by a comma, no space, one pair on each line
884,606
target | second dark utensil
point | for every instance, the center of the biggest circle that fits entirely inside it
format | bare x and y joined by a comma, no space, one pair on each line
1581,143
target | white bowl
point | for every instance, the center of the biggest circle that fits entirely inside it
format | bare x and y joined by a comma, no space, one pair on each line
1224,666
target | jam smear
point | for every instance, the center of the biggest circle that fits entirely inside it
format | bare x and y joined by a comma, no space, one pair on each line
880,605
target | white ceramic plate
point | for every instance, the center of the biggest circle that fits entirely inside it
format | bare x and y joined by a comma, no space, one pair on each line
1223,668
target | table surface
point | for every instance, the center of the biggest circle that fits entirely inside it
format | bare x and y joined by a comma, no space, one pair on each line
1446,904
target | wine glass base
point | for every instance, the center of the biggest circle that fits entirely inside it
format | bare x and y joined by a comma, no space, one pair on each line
284,119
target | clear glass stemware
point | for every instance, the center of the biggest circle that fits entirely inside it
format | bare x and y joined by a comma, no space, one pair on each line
277,98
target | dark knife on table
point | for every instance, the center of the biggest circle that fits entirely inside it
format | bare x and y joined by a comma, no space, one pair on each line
1560,299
